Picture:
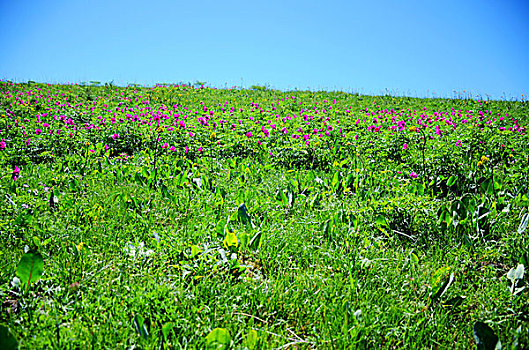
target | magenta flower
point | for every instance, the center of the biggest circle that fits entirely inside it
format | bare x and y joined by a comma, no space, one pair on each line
16,171
2,144
200,149
38,131
115,136
187,149
405,146
165,145
413,175
249,134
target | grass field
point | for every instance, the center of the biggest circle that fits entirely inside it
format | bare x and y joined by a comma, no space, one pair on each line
191,217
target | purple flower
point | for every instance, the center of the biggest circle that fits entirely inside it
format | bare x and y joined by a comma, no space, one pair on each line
187,149
405,146
115,136
413,175
2,144
249,134
38,131
16,171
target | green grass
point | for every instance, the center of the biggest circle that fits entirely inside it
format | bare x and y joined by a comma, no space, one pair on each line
336,245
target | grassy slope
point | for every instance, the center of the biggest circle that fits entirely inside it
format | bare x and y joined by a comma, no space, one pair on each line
336,267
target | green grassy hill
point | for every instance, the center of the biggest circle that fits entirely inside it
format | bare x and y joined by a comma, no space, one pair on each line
192,217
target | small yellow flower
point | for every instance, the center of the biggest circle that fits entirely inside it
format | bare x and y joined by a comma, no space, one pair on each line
413,128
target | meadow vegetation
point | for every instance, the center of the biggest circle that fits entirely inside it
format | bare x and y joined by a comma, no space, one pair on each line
181,216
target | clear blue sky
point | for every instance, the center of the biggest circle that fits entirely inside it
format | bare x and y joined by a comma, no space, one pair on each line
414,48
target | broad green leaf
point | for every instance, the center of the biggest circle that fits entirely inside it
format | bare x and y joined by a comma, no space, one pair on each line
255,242
30,268
231,239
7,340
252,339
139,325
219,338
243,238
244,216
336,181
516,278
195,250
284,199
452,180
485,337
221,228
516,274
167,328
381,220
